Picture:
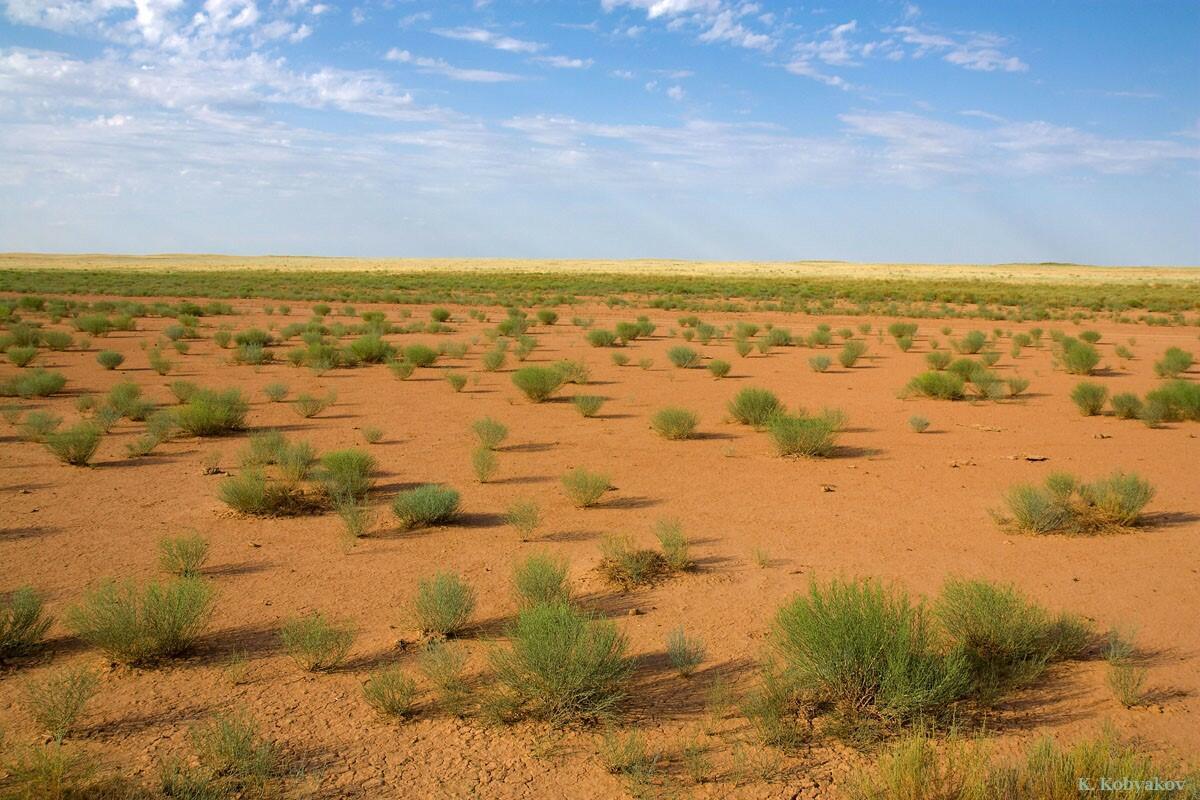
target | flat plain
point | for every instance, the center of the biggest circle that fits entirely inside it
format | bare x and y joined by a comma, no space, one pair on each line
906,509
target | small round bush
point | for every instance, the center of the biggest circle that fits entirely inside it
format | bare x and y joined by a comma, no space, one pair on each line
1126,405
585,488
851,352
918,424
425,506
538,383
814,437
21,356
390,692
754,406
420,355
143,626
674,423
1089,398
490,432
443,605
540,578
1174,362
819,363
75,445
598,337
275,392
23,622
212,413
1078,358
683,357
719,368
588,405
316,644
456,380
938,385
110,359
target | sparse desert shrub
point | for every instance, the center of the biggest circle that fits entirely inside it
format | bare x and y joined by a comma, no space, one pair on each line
598,337
75,445
989,358
674,423
401,369
212,413
851,351
719,368
484,464
183,390
575,372
443,664
126,399
443,605
143,626
588,405
970,344
813,437
585,488
251,492
37,425
754,406
345,475
898,330
21,356
1174,362
1016,386
1091,337
627,756
863,649
674,543
683,357
938,385
391,692
494,360
308,406
538,384
315,643
426,506
1175,400
540,578
252,354
1078,358
23,623
439,314
491,433
684,652
420,355
1123,352
1126,405
905,343
109,359
56,701
57,340
563,664
159,362
183,556
742,347
546,316
919,424
819,363
629,566
1089,398
1008,640
525,517
33,383
620,359
233,761
1064,505
372,435
456,380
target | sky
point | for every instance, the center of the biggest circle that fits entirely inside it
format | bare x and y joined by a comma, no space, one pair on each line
689,129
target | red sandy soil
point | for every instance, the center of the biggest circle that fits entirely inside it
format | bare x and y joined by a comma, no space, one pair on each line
906,508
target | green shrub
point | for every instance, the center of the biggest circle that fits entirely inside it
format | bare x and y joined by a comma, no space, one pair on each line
1174,362
814,437
401,369
525,517
426,506
588,405
182,555
392,693
563,665
719,368
1089,398
547,317
77,444
918,424
316,644
57,340
674,423
56,702
345,475
158,362
212,413
1126,405
938,385
629,566
490,432
676,549
143,626
742,347
456,380
819,363
540,578
572,371
861,649
754,406
1078,358
620,359
1175,400
597,337
538,384
251,492
308,406
683,357
23,623
585,488
109,359
1064,505
21,356
443,665
972,343
851,352
34,383
1091,337
38,425
484,464
494,360
233,761
126,398
1016,386
443,605
420,355
1007,639
684,652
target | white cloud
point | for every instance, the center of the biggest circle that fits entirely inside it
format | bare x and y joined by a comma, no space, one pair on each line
974,51
665,8
437,66
805,68
725,28
676,92
563,62
716,21
491,39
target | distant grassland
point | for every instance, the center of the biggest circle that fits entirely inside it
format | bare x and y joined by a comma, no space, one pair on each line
1033,288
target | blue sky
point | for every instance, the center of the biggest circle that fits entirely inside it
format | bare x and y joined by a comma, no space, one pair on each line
698,129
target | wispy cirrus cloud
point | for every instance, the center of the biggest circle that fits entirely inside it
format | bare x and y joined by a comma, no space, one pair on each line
490,38
438,66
